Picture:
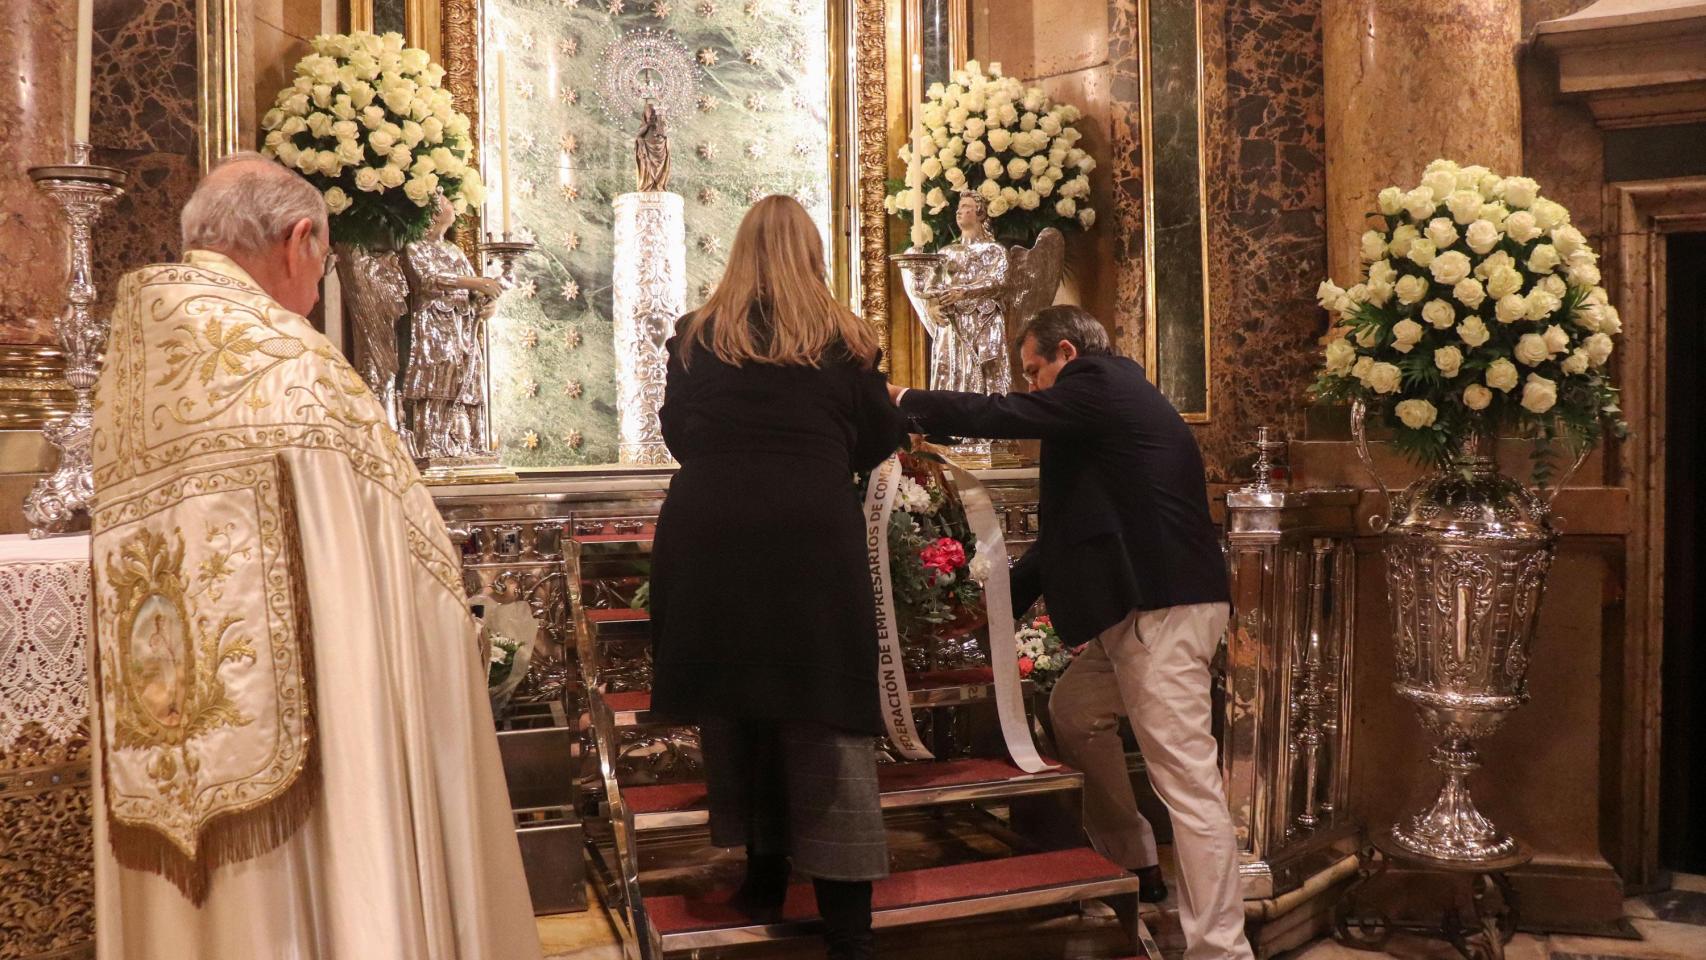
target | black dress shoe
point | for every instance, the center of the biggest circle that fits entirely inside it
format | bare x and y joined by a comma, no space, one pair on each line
1152,886
761,894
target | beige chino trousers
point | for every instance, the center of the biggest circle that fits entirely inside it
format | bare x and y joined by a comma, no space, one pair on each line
1154,668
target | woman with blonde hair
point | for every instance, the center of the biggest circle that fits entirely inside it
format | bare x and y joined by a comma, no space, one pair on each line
763,621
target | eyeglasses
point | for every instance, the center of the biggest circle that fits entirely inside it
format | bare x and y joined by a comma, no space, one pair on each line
329,261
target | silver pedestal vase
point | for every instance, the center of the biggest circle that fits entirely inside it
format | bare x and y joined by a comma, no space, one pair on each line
1467,554
84,190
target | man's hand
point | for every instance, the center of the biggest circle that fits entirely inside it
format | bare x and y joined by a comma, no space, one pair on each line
895,392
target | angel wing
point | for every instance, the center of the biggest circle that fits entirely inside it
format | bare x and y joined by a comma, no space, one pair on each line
1033,276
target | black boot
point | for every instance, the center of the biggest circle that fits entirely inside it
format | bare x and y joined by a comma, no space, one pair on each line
845,906
766,885
1154,889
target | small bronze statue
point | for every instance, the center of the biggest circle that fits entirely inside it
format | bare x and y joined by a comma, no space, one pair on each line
651,153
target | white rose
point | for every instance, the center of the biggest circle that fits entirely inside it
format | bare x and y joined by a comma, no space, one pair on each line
1406,334
1449,267
1477,397
936,200
1017,168
1469,292
1353,300
1555,285
414,61
401,156
361,95
343,109
1482,236
322,94
1402,238
1543,259
989,189
955,177
425,164
1411,289
412,133
1583,273
1049,125
1473,331
1362,368
417,190
1416,414
1495,213
1610,321
1557,341
1391,201
1519,192
321,125
1379,294
1465,205
1449,360
1029,200
1086,218
1368,337
1441,183
288,153
1000,140
1505,281
999,206
367,179
391,177
1502,375
337,201
1065,207
1539,394
1420,204
349,153
1550,214
373,118
1521,226
1598,348
922,235
1442,232
1328,295
1441,163
345,129
976,151
992,168
1439,314
328,163
1384,378
1511,308
1576,363
1039,166
1382,271
1588,316
1422,252
1531,350
1541,305
932,168
975,128
1340,356
1086,165
1568,240
274,138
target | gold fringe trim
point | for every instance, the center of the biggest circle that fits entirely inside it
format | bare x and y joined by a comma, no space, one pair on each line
229,839
243,834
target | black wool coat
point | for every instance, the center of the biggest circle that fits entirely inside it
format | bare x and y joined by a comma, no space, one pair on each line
761,596
1123,502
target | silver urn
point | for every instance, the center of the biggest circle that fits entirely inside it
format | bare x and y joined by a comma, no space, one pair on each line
1467,554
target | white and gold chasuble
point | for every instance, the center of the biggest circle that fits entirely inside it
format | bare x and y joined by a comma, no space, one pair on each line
294,750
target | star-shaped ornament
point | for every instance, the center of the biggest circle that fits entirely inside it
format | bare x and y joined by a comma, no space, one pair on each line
524,187
707,151
572,338
530,440
707,196
707,8
574,439
755,149
570,191
529,339
525,90
569,95
708,244
573,389
569,143
527,289
571,290
615,7
707,104
660,9
707,56
755,102
569,46
572,242
529,386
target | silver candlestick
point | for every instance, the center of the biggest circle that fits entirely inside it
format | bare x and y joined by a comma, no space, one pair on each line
505,254
1264,468
84,190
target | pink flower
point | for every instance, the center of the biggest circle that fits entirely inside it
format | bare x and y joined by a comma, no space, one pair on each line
1026,665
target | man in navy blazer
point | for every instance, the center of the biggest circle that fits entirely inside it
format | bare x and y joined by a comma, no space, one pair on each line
1129,562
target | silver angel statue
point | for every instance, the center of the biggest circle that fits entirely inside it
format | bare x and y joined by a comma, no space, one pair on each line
376,299
444,380
973,293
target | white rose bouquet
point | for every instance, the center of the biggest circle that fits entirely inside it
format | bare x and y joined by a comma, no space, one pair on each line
1480,312
991,134
367,121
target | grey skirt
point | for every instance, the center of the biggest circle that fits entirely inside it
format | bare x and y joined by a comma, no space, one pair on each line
797,789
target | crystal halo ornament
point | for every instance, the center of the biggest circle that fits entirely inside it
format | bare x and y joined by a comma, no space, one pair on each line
646,66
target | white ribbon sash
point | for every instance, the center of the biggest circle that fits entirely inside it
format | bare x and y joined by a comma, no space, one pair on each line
891,674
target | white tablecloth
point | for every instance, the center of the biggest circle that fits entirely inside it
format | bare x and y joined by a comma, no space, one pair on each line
44,633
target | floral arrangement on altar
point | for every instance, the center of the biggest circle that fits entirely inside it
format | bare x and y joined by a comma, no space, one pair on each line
990,134
1043,657
938,579
507,658
368,123
1479,313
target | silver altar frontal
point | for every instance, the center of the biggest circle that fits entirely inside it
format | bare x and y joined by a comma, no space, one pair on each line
648,294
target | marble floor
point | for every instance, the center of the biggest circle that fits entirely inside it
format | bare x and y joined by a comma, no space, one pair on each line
1672,925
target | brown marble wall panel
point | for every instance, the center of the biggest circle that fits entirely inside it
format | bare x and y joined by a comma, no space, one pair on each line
1123,210
1265,183
1407,82
142,227
36,57
1561,146
143,90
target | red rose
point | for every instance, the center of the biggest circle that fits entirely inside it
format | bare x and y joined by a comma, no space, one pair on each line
1026,665
1043,621
945,555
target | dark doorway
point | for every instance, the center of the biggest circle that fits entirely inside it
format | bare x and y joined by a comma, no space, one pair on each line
1682,744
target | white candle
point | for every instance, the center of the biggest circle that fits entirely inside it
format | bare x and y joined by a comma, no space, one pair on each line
915,176
503,136
85,48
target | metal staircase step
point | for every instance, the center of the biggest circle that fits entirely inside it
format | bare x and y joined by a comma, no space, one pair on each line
1021,882
937,688
903,785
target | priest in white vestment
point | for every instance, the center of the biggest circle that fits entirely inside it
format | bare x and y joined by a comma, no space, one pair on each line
293,748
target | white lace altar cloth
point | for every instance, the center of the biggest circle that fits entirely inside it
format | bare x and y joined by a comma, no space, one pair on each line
44,633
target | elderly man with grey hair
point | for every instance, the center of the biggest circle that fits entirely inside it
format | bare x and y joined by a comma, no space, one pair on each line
294,749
